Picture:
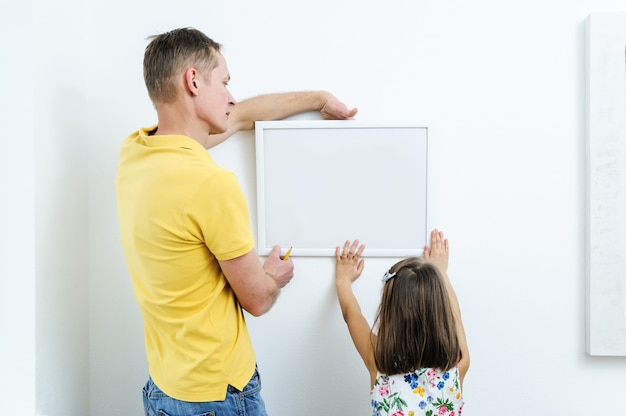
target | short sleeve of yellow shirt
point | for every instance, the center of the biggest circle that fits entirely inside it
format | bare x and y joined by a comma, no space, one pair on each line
179,213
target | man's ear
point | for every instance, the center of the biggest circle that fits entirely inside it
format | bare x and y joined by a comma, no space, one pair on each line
191,77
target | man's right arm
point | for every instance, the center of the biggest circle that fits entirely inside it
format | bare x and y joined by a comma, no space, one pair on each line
257,286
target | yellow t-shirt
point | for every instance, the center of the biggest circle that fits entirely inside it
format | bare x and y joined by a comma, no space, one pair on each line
179,212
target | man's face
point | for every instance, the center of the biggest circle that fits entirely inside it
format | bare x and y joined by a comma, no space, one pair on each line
215,101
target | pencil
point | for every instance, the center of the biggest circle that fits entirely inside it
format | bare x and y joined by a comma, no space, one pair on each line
287,254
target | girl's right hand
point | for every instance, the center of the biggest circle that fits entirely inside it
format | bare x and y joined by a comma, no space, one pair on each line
349,263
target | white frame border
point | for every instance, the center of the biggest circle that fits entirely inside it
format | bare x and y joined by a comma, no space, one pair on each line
606,184
260,126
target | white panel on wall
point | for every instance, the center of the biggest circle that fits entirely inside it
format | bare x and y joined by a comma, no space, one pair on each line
606,184
323,182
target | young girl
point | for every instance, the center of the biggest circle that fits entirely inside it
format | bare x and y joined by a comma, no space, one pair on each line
419,356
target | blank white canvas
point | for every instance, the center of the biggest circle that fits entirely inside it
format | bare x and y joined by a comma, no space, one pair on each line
320,183
606,184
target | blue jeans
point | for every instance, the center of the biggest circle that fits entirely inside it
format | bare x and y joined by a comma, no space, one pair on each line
237,403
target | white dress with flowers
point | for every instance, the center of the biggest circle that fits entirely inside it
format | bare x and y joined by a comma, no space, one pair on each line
428,392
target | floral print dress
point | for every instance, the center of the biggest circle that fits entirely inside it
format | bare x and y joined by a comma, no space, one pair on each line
427,391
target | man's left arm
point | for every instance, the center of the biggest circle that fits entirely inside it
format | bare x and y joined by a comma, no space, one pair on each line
281,105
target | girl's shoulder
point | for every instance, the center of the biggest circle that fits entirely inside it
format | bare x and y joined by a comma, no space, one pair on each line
432,376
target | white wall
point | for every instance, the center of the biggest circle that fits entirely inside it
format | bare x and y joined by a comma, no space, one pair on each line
44,276
61,141
17,210
501,86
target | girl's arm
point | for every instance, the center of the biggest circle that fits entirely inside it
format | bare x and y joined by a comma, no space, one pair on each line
349,266
437,253
460,330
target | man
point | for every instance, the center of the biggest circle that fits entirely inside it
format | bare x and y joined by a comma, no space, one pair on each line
185,230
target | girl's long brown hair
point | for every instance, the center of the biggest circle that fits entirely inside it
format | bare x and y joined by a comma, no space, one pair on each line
416,326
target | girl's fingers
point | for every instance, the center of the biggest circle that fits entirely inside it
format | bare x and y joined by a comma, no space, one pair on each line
350,250
346,248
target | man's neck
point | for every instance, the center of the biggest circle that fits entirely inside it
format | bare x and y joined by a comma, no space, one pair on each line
175,119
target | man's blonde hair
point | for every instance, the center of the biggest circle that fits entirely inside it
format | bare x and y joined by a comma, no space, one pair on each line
169,54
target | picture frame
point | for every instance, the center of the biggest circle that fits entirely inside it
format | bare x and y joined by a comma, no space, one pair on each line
322,182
